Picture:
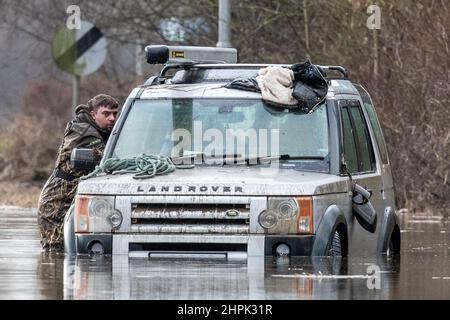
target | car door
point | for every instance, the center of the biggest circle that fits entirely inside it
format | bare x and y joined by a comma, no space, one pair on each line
360,163
383,159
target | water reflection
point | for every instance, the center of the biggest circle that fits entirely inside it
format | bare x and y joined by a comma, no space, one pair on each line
256,278
50,275
421,272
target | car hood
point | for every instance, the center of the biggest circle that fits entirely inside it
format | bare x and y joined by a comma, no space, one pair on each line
246,181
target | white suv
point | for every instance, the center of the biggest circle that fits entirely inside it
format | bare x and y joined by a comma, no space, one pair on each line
295,183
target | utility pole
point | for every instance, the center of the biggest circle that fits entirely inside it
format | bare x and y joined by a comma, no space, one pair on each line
375,53
139,58
305,21
224,24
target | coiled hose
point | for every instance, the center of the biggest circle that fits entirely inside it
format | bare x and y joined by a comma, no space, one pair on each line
144,166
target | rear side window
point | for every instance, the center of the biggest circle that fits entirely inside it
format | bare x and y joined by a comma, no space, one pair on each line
350,156
365,158
368,105
358,151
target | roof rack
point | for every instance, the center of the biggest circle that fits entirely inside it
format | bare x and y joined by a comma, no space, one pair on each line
154,80
185,57
340,69
187,66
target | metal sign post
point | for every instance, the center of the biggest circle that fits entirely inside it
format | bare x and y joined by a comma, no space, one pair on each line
75,92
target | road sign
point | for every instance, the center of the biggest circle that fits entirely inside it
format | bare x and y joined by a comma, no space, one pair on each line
79,52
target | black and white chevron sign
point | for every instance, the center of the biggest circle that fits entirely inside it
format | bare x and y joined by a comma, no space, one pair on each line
79,52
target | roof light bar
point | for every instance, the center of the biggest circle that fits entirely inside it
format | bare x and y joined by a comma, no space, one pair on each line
158,54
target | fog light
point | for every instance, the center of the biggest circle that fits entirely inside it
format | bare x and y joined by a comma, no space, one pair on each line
267,219
96,247
115,219
282,250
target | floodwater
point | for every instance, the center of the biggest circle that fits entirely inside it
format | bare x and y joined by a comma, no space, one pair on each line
422,271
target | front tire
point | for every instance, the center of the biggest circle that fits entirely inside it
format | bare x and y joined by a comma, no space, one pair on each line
394,243
335,246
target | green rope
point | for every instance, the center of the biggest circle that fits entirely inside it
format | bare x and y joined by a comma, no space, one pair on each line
143,166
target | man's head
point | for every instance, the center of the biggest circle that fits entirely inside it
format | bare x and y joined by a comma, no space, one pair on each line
104,109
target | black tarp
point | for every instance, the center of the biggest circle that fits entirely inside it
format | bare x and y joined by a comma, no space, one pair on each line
310,87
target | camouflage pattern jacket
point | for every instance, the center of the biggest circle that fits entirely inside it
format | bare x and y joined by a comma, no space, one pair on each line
82,132
59,191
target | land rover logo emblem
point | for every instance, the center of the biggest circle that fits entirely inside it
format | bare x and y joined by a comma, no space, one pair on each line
232,213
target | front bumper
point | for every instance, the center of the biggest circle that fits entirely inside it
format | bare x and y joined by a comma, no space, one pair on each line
252,245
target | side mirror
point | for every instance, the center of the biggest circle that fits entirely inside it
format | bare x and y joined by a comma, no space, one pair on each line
360,195
364,211
84,159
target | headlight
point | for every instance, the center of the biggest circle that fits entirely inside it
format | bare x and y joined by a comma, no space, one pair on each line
115,219
96,214
100,207
288,215
287,208
267,219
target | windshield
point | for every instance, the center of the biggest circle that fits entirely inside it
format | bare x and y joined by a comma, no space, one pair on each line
243,128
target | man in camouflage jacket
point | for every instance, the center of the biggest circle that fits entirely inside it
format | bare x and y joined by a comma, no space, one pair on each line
90,129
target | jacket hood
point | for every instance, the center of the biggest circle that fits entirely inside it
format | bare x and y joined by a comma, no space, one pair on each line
83,116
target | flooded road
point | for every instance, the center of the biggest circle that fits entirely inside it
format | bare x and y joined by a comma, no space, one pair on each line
421,272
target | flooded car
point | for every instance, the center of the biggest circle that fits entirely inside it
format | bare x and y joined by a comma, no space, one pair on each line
251,179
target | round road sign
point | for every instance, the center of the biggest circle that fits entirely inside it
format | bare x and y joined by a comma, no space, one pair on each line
79,52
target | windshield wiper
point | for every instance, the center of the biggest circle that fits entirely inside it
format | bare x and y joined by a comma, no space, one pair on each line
186,159
289,157
269,159
240,160
194,156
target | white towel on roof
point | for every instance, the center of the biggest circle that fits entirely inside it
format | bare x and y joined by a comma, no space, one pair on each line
276,84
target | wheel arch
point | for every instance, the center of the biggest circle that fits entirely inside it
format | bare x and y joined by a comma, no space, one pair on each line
390,230
333,220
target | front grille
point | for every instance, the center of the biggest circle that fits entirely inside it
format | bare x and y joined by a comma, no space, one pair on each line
190,218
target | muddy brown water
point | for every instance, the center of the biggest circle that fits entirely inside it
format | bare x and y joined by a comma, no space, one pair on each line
422,271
